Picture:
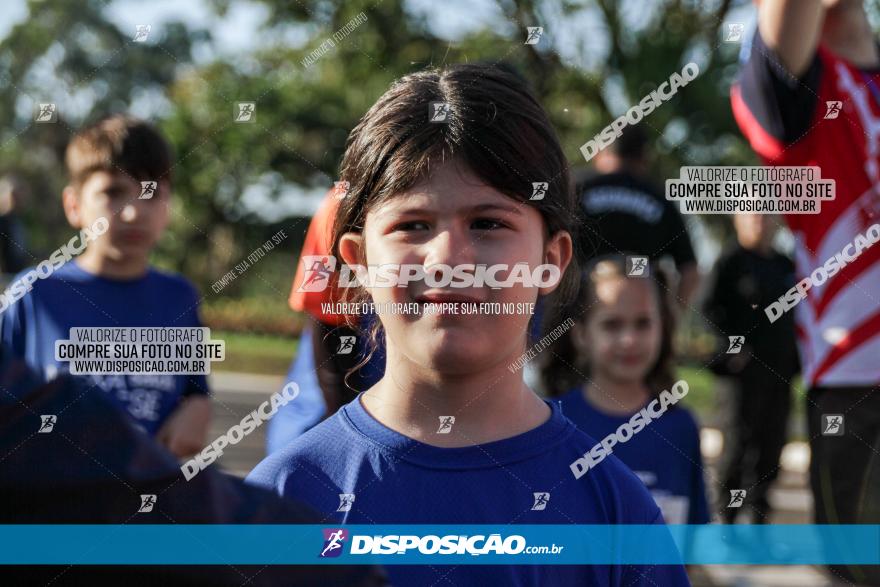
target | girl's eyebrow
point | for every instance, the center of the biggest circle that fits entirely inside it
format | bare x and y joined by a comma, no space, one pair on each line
486,207
415,209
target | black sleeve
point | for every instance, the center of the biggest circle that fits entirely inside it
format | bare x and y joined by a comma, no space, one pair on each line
782,104
719,293
678,243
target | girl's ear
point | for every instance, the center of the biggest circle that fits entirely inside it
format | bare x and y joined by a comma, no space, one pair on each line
557,251
351,247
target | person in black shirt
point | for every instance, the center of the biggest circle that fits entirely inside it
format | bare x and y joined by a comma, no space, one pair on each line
746,279
626,214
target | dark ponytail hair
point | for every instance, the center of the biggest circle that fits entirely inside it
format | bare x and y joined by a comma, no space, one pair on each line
497,130
563,368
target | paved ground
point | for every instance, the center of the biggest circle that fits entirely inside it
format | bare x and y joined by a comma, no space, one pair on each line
237,394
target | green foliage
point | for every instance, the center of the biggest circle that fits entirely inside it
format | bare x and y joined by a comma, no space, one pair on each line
255,353
259,315
304,114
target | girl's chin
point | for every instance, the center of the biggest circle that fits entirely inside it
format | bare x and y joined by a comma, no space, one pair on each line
626,374
449,355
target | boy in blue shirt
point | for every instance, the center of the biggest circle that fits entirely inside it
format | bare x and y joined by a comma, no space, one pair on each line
111,284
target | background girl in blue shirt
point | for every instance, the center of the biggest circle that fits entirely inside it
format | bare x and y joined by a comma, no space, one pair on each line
611,364
451,434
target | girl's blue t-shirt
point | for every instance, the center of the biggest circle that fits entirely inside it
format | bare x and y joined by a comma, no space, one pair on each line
665,455
397,480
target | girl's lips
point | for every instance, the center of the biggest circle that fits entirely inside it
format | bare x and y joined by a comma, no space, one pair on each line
631,360
445,298
132,237
447,304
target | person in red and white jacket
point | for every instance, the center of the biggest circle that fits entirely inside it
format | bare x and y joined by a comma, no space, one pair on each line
809,94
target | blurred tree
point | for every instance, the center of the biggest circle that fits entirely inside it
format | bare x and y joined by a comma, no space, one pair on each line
304,113
69,54
595,59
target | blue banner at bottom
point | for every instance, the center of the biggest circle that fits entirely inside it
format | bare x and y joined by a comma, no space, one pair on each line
182,544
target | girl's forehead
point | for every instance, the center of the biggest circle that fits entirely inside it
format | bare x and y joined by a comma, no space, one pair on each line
450,197
450,181
616,290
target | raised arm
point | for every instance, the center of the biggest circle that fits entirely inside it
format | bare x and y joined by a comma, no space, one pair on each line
791,28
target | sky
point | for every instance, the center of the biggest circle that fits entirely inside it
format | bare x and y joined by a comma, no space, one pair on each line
237,30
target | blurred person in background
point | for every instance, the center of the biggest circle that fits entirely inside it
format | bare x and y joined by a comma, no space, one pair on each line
625,211
322,360
747,278
107,279
615,362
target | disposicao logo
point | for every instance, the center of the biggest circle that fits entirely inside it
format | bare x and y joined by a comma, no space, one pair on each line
333,541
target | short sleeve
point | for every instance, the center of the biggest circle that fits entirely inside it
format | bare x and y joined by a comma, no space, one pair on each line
772,107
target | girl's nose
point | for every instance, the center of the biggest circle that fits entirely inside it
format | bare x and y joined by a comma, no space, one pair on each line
129,213
628,337
450,246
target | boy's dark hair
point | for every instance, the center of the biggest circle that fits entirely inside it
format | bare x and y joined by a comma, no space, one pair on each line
632,144
118,144
497,130
563,368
